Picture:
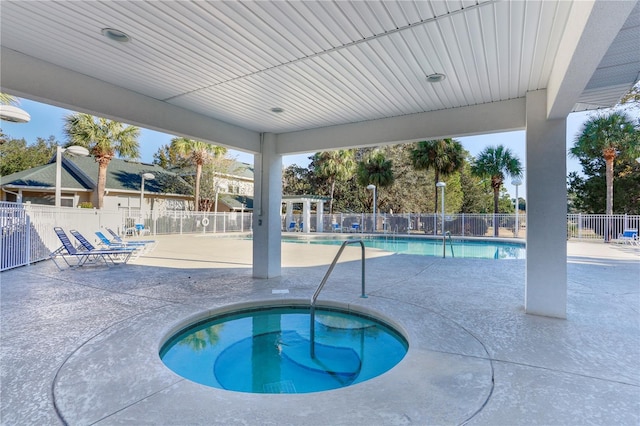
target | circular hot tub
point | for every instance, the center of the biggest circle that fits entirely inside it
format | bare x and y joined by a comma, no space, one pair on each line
270,349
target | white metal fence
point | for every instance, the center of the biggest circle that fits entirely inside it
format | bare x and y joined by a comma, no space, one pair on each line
27,230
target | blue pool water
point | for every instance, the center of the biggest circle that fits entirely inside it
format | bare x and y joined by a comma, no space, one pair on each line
480,249
267,350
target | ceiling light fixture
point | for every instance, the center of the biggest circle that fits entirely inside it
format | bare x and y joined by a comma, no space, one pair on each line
116,35
277,110
14,114
436,78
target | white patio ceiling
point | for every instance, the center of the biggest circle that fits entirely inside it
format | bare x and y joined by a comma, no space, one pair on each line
215,70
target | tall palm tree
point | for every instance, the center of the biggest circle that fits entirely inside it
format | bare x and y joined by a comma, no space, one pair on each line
375,169
444,156
334,166
200,153
496,163
609,137
6,99
104,139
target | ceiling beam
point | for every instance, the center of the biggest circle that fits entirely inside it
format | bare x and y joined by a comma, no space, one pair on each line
591,28
465,121
31,78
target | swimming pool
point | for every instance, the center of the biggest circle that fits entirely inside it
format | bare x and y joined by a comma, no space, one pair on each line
268,350
481,249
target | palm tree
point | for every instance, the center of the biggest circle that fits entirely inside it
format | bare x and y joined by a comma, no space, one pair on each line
6,99
375,169
608,136
200,153
333,166
104,139
444,156
496,163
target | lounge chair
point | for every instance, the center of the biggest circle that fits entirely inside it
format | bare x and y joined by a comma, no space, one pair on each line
292,227
106,243
628,236
117,239
122,254
336,227
355,227
82,257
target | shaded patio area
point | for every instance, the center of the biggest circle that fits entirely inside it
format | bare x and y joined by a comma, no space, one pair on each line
81,346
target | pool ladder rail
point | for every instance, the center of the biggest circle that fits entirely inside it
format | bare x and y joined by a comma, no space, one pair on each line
450,244
321,286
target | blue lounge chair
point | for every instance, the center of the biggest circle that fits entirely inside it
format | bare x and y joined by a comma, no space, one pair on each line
122,254
355,227
292,227
68,251
628,236
117,239
137,245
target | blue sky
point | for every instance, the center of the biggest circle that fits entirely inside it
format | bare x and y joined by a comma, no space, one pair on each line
47,120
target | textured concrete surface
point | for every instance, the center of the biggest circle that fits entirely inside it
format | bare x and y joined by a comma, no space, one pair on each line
81,346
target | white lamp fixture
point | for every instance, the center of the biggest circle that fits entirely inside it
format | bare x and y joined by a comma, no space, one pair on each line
75,150
147,176
517,181
442,185
14,114
372,187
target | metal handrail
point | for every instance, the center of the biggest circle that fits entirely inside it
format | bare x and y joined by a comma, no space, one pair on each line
323,282
450,243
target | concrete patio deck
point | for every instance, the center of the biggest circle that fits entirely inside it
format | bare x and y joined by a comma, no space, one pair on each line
81,346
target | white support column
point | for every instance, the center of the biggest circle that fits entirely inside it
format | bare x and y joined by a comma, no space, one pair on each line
266,212
306,216
289,215
546,264
319,216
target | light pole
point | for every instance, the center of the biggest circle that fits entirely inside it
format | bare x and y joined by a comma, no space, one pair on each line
147,176
517,181
76,150
372,187
442,185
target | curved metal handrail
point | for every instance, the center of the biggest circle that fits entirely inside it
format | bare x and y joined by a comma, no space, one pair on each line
323,282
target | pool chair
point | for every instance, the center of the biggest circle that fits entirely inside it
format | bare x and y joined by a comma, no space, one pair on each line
292,227
121,254
335,227
355,227
136,245
628,236
116,239
75,258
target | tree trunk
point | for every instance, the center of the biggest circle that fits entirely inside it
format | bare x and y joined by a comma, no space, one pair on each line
435,201
609,156
333,186
197,188
496,183
103,162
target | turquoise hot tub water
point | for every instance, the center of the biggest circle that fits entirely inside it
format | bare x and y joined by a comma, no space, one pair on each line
480,249
267,350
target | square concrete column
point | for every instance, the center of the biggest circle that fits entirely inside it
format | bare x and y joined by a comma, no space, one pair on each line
267,258
320,216
289,215
306,216
546,176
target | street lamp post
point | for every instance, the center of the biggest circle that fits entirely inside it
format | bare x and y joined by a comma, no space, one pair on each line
517,181
372,187
444,251
76,150
147,176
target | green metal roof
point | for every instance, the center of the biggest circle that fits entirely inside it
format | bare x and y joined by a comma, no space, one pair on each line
82,173
235,202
